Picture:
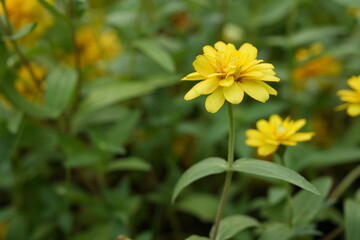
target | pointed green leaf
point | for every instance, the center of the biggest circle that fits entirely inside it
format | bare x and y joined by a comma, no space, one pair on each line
25,30
128,164
201,169
352,220
195,237
276,231
154,50
232,225
272,170
61,83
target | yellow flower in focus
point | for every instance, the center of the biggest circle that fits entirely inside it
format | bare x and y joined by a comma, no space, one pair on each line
352,97
95,46
27,86
23,12
226,73
270,134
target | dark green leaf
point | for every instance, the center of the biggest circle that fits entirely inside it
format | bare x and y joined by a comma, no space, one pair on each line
272,170
195,237
201,169
201,205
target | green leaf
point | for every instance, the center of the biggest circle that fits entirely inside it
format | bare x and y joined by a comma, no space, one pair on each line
25,30
51,8
128,164
83,159
201,205
273,11
104,93
206,167
334,156
196,237
276,231
307,205
155,51
232,225
352,220
61,83
272,170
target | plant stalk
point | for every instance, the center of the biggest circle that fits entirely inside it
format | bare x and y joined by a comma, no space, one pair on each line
229,173
288,196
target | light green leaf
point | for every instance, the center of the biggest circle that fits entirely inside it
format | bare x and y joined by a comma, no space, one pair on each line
83,159
206,167
276,231
232,225
273,10
307,205
352,220
128,164
196,237
61,83
272,170
51,8
201,205
25,30
106,92
154,50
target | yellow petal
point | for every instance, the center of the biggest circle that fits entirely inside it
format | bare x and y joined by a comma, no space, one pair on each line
255,90
353,110
275,120
253,75
266,149
254,142
209,51
214,101
234,94
261,67
191,94
220,46
354,82
270,78
203,67
270,90
301,137
207,86
250,49
252,133
227,82
263,127
195,76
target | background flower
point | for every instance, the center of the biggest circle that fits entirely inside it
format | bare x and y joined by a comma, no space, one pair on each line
270,134
352,97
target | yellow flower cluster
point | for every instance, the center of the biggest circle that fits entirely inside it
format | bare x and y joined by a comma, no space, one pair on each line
352,97
95,45
227,73
22,12
27,86
319,66
270,134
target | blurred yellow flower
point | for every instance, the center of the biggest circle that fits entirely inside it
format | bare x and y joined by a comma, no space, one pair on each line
352,97
226,73
270,134
95,45
23,12
305,53
27,86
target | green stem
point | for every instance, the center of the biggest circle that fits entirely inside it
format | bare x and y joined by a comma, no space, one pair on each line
288,196
345,183
229,173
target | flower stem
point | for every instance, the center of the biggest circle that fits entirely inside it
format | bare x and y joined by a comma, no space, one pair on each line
229,173
288,196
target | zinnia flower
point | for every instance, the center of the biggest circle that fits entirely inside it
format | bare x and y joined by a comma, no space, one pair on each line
226,73
352,97
270,134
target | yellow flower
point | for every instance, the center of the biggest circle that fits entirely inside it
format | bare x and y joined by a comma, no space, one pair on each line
352,97
226,73
270,134
95,45
24,12
26,85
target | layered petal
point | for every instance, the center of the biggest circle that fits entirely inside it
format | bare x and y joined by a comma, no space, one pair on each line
215,101
255,90
234,94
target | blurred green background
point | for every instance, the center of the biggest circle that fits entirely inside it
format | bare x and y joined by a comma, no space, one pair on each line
93,148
